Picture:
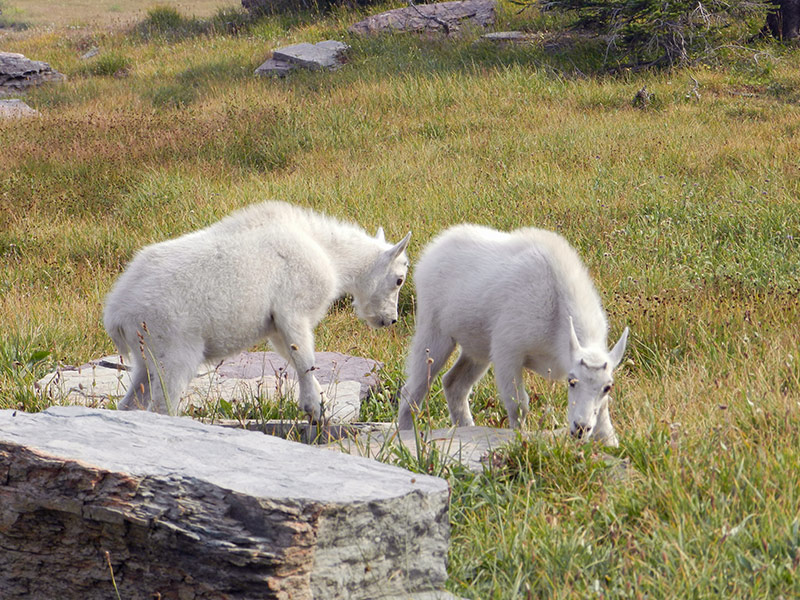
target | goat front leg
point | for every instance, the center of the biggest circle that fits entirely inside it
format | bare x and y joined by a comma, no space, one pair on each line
294,340
511,384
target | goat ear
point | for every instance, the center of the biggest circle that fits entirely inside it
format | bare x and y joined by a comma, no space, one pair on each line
574,344
398,248
619,350
380,235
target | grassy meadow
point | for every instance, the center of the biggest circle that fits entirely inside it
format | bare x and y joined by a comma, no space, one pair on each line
685,211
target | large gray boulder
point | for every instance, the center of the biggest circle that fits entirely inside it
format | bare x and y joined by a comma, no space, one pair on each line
447,17
172,508
19,73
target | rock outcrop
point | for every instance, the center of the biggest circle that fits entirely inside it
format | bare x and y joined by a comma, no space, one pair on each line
167,507
447,17
18,73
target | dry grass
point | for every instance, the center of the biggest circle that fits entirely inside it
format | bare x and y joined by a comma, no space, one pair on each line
102,13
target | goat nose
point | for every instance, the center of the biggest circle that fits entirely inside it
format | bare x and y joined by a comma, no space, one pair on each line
579,429
394,321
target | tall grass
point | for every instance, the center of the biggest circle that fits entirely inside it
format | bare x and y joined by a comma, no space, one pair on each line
685,212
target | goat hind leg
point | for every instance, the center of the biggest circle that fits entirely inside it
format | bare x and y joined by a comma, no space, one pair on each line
458,382
429,352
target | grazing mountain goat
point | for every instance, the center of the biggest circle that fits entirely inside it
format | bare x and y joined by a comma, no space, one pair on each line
518,300
267,271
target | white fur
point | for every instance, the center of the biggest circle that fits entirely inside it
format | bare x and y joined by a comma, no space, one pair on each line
271,271
509,299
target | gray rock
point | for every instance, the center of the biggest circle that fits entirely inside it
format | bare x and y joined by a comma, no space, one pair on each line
185,510
275,68
19,73
346,380
329,367
471,447
15,108
468,446
322,55
91,53
447,17
508,36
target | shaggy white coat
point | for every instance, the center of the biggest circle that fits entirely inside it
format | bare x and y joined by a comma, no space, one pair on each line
521,299
271,271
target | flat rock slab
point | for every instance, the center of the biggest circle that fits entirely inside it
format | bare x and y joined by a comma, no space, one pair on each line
471,447
185,510
15,108
448,17
328,54
19,73
346,380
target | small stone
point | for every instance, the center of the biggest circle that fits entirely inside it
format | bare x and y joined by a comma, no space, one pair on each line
15,108
94,51
323,55
508,36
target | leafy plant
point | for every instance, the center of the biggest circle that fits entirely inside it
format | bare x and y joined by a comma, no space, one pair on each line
21,364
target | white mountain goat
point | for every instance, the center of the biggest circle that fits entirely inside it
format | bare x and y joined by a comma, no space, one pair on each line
271,271
522,299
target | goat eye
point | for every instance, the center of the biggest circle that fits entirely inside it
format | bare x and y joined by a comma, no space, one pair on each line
572,382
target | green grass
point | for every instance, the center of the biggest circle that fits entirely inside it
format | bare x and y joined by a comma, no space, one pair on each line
685,212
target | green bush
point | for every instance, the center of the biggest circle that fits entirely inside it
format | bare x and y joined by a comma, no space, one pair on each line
164,22
7,20
664,32
110,63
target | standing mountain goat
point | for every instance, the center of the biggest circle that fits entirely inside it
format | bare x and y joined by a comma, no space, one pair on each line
268,271
518,300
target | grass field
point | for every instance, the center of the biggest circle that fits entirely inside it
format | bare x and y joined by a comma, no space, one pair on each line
686,213
102,13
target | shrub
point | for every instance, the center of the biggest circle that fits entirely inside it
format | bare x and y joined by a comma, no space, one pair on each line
111,63
164,22
272,7
7,20
664,32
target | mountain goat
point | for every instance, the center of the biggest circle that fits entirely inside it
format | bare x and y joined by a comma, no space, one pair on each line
269,271
522,299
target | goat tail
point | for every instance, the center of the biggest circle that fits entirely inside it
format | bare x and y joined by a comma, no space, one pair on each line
118,334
